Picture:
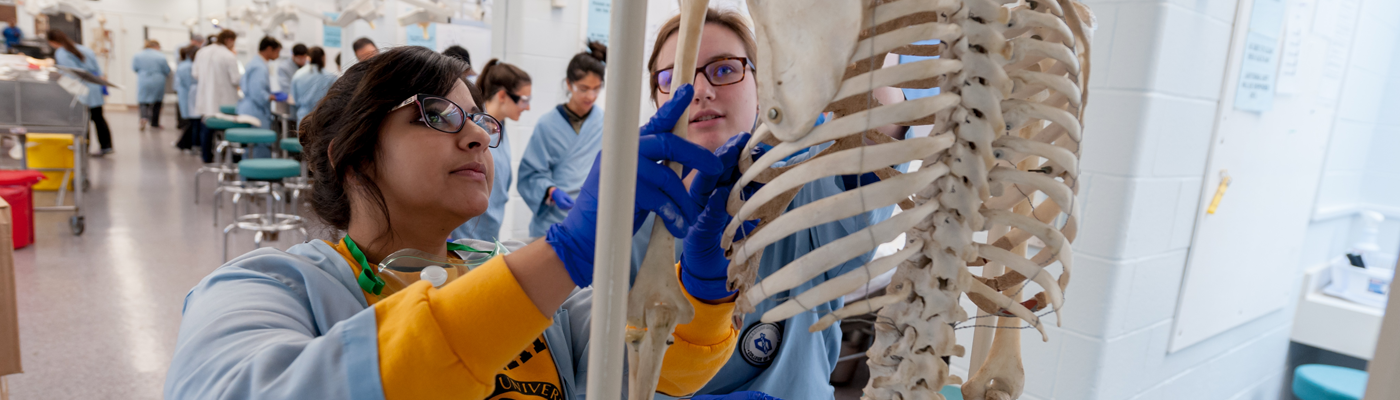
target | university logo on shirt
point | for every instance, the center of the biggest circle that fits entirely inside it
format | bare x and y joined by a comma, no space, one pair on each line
760,342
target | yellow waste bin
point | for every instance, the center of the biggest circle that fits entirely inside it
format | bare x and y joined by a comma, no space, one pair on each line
50,150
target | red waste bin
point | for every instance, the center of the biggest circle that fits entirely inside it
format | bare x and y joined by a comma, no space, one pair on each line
16,187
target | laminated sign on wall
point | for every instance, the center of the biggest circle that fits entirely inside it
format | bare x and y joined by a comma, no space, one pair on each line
1259,68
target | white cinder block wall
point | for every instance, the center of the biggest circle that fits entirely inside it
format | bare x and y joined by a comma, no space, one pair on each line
1156,84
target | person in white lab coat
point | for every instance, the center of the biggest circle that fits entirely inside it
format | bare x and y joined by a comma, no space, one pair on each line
216,70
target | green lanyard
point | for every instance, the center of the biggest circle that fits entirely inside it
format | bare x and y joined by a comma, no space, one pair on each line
371,282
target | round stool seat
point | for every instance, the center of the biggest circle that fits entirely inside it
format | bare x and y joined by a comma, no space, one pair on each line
291,145
250,135
229,109
269,169
219,124
1328,382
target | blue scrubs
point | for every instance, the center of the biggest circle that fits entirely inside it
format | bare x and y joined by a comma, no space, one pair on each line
783,359
185,86
256,87
308,88
487,226
151,72
559,157
64,58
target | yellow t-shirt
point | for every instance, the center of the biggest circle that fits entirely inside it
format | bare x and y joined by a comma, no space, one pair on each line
530,376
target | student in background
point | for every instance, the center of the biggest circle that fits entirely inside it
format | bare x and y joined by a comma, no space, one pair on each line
185,87
460,53
77,56
151,73
216,71
364,49
565,142
507,92
257,87
287,69
311,83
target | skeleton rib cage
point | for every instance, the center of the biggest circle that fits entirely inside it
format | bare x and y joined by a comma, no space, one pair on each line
1002,158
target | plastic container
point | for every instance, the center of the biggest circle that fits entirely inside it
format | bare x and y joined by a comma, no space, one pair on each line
16,187
50,150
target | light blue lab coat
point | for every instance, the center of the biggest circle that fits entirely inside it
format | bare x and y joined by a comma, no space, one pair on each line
803,363
63,57
256,87
487,226
151,72
309,87
558,157
185,87
295,325
286,71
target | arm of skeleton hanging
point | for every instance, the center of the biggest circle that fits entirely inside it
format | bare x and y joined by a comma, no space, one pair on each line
701,348
468,329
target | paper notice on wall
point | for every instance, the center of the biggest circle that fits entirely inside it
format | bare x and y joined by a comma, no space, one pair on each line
330,34
599,20
1335,20
418,35
1296,27
1259,63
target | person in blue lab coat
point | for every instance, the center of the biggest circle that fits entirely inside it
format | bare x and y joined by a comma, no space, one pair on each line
185,87
287,68
77,56
506,89
12,37
310,84
151,72
783,358
561,150
257,88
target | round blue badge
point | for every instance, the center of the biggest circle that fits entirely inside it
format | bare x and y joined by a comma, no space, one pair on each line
760,343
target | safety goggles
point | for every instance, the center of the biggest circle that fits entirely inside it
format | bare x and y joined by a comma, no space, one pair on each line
721,72
446,116
404,267
523,101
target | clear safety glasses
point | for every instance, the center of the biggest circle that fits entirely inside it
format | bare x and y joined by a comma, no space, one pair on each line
404,267
446,116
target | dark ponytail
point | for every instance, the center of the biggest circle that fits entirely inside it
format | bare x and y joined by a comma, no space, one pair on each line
592,61
317,56
62,39
497,76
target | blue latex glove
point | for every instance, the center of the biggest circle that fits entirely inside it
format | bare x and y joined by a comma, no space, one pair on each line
704,270
562,199
104,90
281,96
745,395
659,190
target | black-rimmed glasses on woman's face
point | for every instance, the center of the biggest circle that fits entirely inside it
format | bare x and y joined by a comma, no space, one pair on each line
720,72
446,116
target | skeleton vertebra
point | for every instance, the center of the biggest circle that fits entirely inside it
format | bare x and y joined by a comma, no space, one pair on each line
1006,126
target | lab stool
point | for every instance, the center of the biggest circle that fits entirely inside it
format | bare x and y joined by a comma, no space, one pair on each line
264,177
1328,382
244,136
298,183
229,109
220,167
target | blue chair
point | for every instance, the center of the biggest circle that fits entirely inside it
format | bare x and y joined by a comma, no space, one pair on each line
263,177
1328,382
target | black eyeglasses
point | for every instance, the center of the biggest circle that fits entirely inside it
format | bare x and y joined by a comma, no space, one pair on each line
446,116
721,72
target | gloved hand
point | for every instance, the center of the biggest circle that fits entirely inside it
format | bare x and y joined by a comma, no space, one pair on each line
280,96
745,395
704,270
561,199
659,190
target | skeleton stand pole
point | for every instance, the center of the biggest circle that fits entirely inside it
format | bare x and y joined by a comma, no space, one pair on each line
612,257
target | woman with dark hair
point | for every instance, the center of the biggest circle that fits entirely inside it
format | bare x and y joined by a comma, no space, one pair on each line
561,150
398,162
77,56
185,87
310,84
506,89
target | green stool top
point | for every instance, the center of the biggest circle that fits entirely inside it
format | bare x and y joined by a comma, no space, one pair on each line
219,124
951,392
229,109
268,169
291,145
250,135
1328,382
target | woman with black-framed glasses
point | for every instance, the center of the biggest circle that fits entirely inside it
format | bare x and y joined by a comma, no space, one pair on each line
400,157
506,89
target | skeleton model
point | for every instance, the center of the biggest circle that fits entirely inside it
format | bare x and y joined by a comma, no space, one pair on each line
1002,159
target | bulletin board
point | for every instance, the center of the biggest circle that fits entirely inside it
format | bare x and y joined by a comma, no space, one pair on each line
1243,262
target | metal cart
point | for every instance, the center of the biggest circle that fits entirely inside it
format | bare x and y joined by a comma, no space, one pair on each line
41,105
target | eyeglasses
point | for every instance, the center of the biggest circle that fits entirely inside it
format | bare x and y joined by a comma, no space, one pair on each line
446,116
518,99
580,89
721,72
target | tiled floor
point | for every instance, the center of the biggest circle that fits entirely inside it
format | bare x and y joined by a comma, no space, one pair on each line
99,312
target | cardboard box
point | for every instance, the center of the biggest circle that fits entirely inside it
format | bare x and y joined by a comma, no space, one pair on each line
9,314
